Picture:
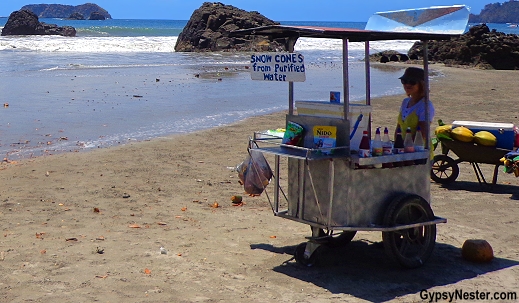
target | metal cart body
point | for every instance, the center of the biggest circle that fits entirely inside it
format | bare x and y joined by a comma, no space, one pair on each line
338,194
341,199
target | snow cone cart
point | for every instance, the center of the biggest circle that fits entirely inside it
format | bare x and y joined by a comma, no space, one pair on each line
330,187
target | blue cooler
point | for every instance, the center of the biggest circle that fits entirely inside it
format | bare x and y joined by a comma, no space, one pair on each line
504,132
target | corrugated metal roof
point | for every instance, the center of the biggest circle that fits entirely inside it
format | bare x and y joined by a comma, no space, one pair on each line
353,35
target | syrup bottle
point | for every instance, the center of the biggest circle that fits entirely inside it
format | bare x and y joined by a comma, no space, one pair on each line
377,144
387,148
408,141
386,143
364,147
419,145
399,142
418,140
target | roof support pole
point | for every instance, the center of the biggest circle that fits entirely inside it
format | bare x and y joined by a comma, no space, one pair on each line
291,42
426,88
368,81
345,77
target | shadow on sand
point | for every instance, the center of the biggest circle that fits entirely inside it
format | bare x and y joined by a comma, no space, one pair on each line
364,271
502,189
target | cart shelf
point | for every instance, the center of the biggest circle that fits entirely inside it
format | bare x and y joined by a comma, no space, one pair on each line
371,227
391,158
343,152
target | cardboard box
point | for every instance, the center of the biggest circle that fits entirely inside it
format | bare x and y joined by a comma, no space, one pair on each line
325,137
504,132
357,112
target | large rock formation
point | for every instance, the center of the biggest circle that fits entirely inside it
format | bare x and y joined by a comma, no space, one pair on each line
76,16
497,13
479,47
26,23
96,16
64,11
209,25
388,56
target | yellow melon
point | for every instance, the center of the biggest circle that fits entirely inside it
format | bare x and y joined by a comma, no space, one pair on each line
443,129
485,138
476,250
463,134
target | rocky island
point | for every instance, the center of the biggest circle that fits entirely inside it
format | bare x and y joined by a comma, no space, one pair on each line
497,13
90,10
209,26
25,22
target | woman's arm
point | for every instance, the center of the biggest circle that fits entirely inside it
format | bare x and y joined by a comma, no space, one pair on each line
423,128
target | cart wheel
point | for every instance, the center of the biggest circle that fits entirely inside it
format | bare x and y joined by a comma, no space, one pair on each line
444,169
338,240
413,246
301,258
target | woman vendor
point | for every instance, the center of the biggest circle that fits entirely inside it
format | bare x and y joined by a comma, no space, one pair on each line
412,110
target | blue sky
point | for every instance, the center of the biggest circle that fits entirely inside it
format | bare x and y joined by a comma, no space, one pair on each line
277,10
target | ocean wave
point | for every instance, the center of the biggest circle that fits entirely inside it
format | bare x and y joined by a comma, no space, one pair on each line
163,44
102,66
126,31
336,44
88,44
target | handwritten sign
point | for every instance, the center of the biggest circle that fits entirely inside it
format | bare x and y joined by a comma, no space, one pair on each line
278,67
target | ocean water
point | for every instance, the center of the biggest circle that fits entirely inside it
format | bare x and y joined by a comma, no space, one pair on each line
120,81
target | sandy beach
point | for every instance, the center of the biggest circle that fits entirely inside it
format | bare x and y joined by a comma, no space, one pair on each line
88,226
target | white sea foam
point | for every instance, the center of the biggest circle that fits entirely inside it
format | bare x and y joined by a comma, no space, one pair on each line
88,44
336,44
163,44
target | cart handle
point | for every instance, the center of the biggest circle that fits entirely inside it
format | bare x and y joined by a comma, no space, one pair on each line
359,118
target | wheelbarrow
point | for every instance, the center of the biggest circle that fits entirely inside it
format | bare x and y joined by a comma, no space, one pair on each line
445,169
